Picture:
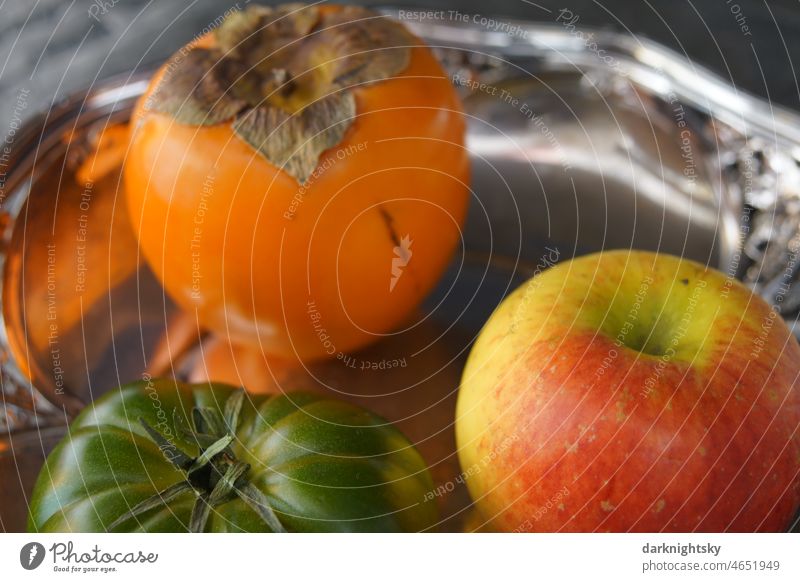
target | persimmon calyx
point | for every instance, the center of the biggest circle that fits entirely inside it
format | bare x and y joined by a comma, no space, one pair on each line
284,78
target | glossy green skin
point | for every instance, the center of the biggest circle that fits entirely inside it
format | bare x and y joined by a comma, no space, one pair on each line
324,465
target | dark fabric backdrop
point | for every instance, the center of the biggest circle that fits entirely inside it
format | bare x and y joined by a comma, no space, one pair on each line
53,47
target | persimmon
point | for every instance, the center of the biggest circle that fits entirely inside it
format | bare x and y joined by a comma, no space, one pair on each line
298,177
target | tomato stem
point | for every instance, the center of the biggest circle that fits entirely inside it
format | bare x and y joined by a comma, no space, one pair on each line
215,476
160,498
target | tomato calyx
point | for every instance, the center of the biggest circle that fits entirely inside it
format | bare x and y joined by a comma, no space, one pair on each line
284,78
215,476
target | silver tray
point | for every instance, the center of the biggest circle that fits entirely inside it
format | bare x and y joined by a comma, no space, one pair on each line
575,147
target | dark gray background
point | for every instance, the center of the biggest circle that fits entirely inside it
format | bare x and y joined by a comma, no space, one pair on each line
53,47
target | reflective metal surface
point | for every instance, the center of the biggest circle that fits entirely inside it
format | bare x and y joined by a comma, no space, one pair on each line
571,153
662,154
22,454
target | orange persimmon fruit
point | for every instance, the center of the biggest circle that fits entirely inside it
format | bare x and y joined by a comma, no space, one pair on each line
298,177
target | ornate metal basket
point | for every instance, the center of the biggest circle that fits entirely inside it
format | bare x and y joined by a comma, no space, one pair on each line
576,146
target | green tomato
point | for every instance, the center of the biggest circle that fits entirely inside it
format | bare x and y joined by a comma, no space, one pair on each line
158,456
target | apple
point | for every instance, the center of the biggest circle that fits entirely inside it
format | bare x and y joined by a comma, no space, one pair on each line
632,391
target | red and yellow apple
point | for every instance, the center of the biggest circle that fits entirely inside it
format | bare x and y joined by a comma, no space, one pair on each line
632,391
